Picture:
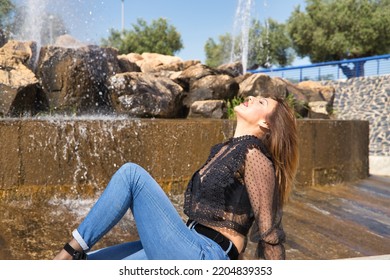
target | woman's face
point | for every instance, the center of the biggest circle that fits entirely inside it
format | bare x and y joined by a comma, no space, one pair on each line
255,110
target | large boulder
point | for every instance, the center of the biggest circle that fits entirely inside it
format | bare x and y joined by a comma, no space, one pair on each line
212,87
20,93
193,73
261,85
318,92
215,109
320,99
75,79
145,95
233,69
154,62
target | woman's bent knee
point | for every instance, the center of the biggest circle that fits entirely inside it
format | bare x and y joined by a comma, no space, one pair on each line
132,172
129,166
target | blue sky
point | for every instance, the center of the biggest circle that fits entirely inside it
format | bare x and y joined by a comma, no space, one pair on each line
196,20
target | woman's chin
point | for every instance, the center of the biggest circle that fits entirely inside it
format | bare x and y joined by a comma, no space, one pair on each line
238,108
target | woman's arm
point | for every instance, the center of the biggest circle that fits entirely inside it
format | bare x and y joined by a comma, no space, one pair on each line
259,179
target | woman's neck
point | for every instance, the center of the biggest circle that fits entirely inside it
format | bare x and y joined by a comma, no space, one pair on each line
241,131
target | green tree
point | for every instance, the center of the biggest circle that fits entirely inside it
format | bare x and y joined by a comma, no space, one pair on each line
218,53
341,29
158,37
268,45
6,8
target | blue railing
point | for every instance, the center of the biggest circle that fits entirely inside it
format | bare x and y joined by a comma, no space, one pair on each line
333,70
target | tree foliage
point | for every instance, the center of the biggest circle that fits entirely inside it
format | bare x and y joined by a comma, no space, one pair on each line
268,45
218,53
334,30
158,37
6,7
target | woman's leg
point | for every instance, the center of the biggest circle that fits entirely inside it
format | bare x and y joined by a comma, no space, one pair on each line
161,229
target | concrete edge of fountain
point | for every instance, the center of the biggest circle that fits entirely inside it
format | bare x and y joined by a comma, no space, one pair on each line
50,156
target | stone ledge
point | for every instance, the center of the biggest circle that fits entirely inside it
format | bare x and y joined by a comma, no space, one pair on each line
79,152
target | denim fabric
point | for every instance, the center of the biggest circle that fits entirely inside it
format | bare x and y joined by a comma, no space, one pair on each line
162,232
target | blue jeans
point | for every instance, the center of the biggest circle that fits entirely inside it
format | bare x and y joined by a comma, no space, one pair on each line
162,232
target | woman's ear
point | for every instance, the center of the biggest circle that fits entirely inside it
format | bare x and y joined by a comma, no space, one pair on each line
264,124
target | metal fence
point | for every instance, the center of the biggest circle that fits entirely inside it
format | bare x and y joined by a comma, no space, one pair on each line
333,70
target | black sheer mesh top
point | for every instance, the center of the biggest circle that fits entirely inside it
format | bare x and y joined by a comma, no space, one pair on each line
236,187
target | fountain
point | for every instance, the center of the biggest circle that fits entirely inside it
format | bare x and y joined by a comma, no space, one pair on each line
241,26
54,166
241,43
33,22
44,20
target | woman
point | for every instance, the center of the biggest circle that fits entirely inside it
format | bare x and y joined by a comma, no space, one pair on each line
246,180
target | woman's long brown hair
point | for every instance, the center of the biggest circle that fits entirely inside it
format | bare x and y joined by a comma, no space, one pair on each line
282,142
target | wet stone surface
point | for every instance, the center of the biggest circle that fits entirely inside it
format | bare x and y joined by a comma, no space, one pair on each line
331,222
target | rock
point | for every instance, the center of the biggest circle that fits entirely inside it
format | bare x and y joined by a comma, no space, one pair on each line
318,110
319,92
19,53
3,38
20,93
193,73
75,79
296,96
320,98
261,85
127,65
233,69
67,41
211,87
145,95
216,109
241,78
154,62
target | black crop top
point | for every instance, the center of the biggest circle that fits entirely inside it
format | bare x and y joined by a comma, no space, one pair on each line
235,187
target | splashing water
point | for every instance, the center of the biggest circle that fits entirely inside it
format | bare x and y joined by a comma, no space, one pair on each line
241,28
50,18
33,21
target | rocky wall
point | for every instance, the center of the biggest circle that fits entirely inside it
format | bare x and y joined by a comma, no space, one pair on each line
76,157
367,99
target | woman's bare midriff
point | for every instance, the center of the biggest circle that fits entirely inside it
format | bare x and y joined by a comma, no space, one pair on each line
237,239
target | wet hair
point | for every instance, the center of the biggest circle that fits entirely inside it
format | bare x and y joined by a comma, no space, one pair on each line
282,142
